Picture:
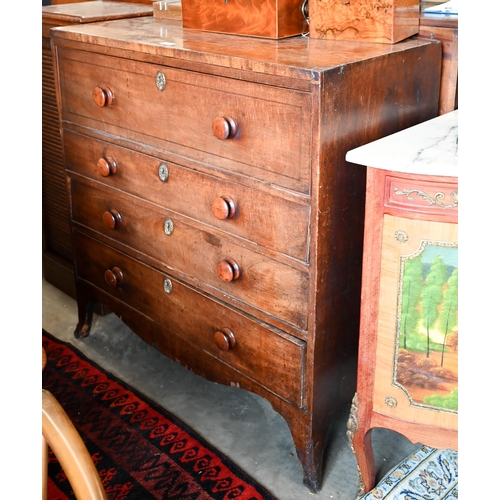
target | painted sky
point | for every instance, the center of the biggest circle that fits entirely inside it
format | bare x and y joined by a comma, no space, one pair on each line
449,255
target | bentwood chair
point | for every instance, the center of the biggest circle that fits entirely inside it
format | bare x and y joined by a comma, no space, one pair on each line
60,434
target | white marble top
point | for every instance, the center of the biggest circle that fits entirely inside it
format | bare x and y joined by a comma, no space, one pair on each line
430,148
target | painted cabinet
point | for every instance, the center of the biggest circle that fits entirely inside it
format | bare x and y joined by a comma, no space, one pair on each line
408,352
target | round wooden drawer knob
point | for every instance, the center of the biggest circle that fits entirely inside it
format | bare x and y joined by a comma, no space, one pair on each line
111,218
223,208
228,270
114,277
106,166
103,96
225,339
224,127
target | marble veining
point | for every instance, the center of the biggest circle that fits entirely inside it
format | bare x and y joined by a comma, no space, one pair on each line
428,148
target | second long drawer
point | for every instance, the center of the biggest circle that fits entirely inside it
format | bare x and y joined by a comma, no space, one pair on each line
264,283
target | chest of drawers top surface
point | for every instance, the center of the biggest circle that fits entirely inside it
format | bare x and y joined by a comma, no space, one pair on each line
297,57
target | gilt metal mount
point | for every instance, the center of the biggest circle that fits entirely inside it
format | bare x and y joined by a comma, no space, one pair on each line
437,199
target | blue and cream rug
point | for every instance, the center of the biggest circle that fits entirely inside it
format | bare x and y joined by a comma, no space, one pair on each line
426,474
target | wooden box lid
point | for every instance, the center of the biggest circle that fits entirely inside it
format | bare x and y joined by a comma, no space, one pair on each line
93,11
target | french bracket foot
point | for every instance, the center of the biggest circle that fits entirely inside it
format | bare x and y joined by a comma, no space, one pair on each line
312,483
84,325
312,470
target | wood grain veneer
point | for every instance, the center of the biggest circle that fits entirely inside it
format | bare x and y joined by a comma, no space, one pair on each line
261,18
364,20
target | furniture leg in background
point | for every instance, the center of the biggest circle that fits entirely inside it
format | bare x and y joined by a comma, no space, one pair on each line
57,253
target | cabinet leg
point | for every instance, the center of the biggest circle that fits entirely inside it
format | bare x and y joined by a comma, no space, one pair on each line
359,435
86,307
312,463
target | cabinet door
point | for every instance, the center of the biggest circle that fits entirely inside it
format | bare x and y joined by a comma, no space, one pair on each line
416,375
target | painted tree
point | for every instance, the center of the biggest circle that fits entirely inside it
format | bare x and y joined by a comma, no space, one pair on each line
412,289
452,340
448,316
432,295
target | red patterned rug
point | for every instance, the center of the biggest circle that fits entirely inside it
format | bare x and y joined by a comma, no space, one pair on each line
141,450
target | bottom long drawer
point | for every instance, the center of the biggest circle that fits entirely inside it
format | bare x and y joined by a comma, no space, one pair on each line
271,358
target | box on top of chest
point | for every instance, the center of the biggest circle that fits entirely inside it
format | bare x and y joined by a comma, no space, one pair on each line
378,21
259,18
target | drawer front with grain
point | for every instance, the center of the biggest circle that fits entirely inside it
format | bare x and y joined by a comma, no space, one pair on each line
270,221
255,129
255,279
220,331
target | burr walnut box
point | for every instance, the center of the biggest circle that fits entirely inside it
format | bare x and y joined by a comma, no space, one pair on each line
386,21
260,18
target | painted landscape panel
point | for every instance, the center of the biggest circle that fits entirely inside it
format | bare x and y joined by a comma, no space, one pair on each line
426,357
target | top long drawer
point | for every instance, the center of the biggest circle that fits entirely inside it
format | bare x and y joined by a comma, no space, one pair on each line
254,129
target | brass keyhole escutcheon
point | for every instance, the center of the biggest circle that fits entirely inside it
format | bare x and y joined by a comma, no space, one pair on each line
163,172
168,227
161,81
167,286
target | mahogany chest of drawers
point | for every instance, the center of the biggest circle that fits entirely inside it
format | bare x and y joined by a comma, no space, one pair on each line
212,207
57,256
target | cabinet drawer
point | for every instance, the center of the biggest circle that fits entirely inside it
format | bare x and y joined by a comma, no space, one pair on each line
264,283
254,129
421,196
213,328
267,220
